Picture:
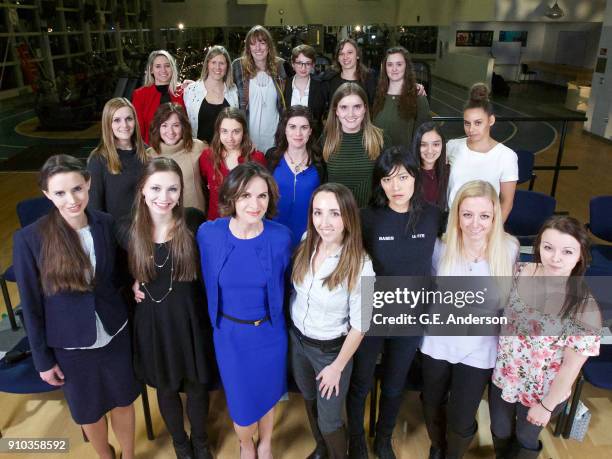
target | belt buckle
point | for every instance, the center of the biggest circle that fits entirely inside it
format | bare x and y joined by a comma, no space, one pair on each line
257,323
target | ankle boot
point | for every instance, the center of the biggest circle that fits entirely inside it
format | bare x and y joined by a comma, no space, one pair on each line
336,444
183,450
435,422
357,447
503,447
320,451
456,445
383,447
526,453
200,448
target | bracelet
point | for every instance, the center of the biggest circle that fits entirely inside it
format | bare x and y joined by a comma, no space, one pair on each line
542,404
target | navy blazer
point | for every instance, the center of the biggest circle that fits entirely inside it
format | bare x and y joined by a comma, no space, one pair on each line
317,101
67,319
274,253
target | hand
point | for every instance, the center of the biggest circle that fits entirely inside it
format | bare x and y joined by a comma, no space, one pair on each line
138,294
54,376
330,381
186,83
538,415
421,90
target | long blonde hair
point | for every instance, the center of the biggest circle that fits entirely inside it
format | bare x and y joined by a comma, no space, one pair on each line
498,256
353,254
106,148
372,136
213,52
249,69
148,77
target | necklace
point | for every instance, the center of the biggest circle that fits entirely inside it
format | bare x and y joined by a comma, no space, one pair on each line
296,166
169,288
165,261
476,258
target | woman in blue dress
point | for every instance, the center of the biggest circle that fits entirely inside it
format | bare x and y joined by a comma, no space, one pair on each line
244,261
297,167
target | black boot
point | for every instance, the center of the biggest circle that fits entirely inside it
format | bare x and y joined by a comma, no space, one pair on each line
320,451
200,448
183,450
525,453
435,422
456,445
388,409
503,447
357,447
383,447
336,444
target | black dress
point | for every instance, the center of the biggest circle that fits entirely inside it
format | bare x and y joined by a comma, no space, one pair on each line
172,337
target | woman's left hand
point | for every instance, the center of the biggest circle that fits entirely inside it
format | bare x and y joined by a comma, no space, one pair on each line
538,415
186,83
329,381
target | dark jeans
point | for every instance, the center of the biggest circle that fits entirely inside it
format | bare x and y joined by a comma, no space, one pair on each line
397,356
171,409
307,361
510,420
460,387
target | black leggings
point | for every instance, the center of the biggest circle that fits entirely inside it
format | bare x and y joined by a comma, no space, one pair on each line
171,409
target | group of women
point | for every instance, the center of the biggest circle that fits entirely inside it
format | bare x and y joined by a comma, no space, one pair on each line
280,247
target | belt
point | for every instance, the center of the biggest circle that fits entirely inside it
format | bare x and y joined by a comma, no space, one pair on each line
255,323
323,344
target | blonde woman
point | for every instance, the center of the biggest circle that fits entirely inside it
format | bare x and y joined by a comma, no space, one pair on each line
351,143
456,369
260,77
214,91
160,86
116,163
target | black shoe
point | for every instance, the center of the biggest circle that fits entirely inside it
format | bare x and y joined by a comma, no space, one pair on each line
357,448
183,450
201,449
383,447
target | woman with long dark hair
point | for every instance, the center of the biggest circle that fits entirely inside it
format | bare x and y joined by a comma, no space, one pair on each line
75,317
429,148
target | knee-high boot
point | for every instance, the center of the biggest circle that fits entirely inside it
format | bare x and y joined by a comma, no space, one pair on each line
456,445
320,451
435,422
336,444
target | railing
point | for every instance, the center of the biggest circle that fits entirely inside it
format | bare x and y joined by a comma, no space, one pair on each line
558,167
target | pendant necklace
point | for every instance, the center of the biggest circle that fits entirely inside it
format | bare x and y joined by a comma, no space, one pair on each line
171,281
296,166
476,258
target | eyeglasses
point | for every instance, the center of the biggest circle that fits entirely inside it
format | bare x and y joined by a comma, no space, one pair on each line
302,64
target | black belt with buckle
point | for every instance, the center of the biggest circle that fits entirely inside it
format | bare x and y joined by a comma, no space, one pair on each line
255,323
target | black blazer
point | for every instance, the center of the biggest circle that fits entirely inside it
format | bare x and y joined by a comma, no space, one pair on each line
317,100
67,319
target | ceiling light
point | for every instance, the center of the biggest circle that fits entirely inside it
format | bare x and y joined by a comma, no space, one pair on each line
555,12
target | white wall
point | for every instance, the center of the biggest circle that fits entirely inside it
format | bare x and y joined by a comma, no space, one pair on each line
464,69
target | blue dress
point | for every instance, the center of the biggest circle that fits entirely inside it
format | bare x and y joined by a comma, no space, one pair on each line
245,280
295,192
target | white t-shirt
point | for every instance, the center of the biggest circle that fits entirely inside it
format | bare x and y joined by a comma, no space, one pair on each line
500,164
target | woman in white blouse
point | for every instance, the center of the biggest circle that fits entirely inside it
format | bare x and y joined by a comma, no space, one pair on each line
328,320
215,90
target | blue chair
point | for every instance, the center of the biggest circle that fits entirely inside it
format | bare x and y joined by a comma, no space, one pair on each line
28,211
600,225
526,160
529,211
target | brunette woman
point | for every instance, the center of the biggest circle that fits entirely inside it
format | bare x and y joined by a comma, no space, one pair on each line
456,369
231,146
116,163
554,328
171,137
214,91
297,168
304,89
160,86
351,143
260,77
399,233
397,109
429,147
328,317
172,346
480,157
75,316
244,261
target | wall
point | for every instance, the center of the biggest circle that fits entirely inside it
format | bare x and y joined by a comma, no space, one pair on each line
464,69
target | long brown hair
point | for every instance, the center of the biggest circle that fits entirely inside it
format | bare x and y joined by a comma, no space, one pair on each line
217,148
353,254
64,264
165,111
479,98
361,70
372,136
106,148
141,245
407,102
249,68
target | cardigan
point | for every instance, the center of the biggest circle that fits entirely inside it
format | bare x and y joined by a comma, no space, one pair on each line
243,85
273,249
196,92
188,161
67,319
146,100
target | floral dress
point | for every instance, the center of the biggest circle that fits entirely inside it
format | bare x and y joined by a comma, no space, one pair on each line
528,362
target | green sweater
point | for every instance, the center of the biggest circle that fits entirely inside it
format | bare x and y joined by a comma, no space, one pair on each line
400,130
351,167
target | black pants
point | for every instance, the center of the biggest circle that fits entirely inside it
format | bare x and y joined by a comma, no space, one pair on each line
510,420
460,387
398,353
171,409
